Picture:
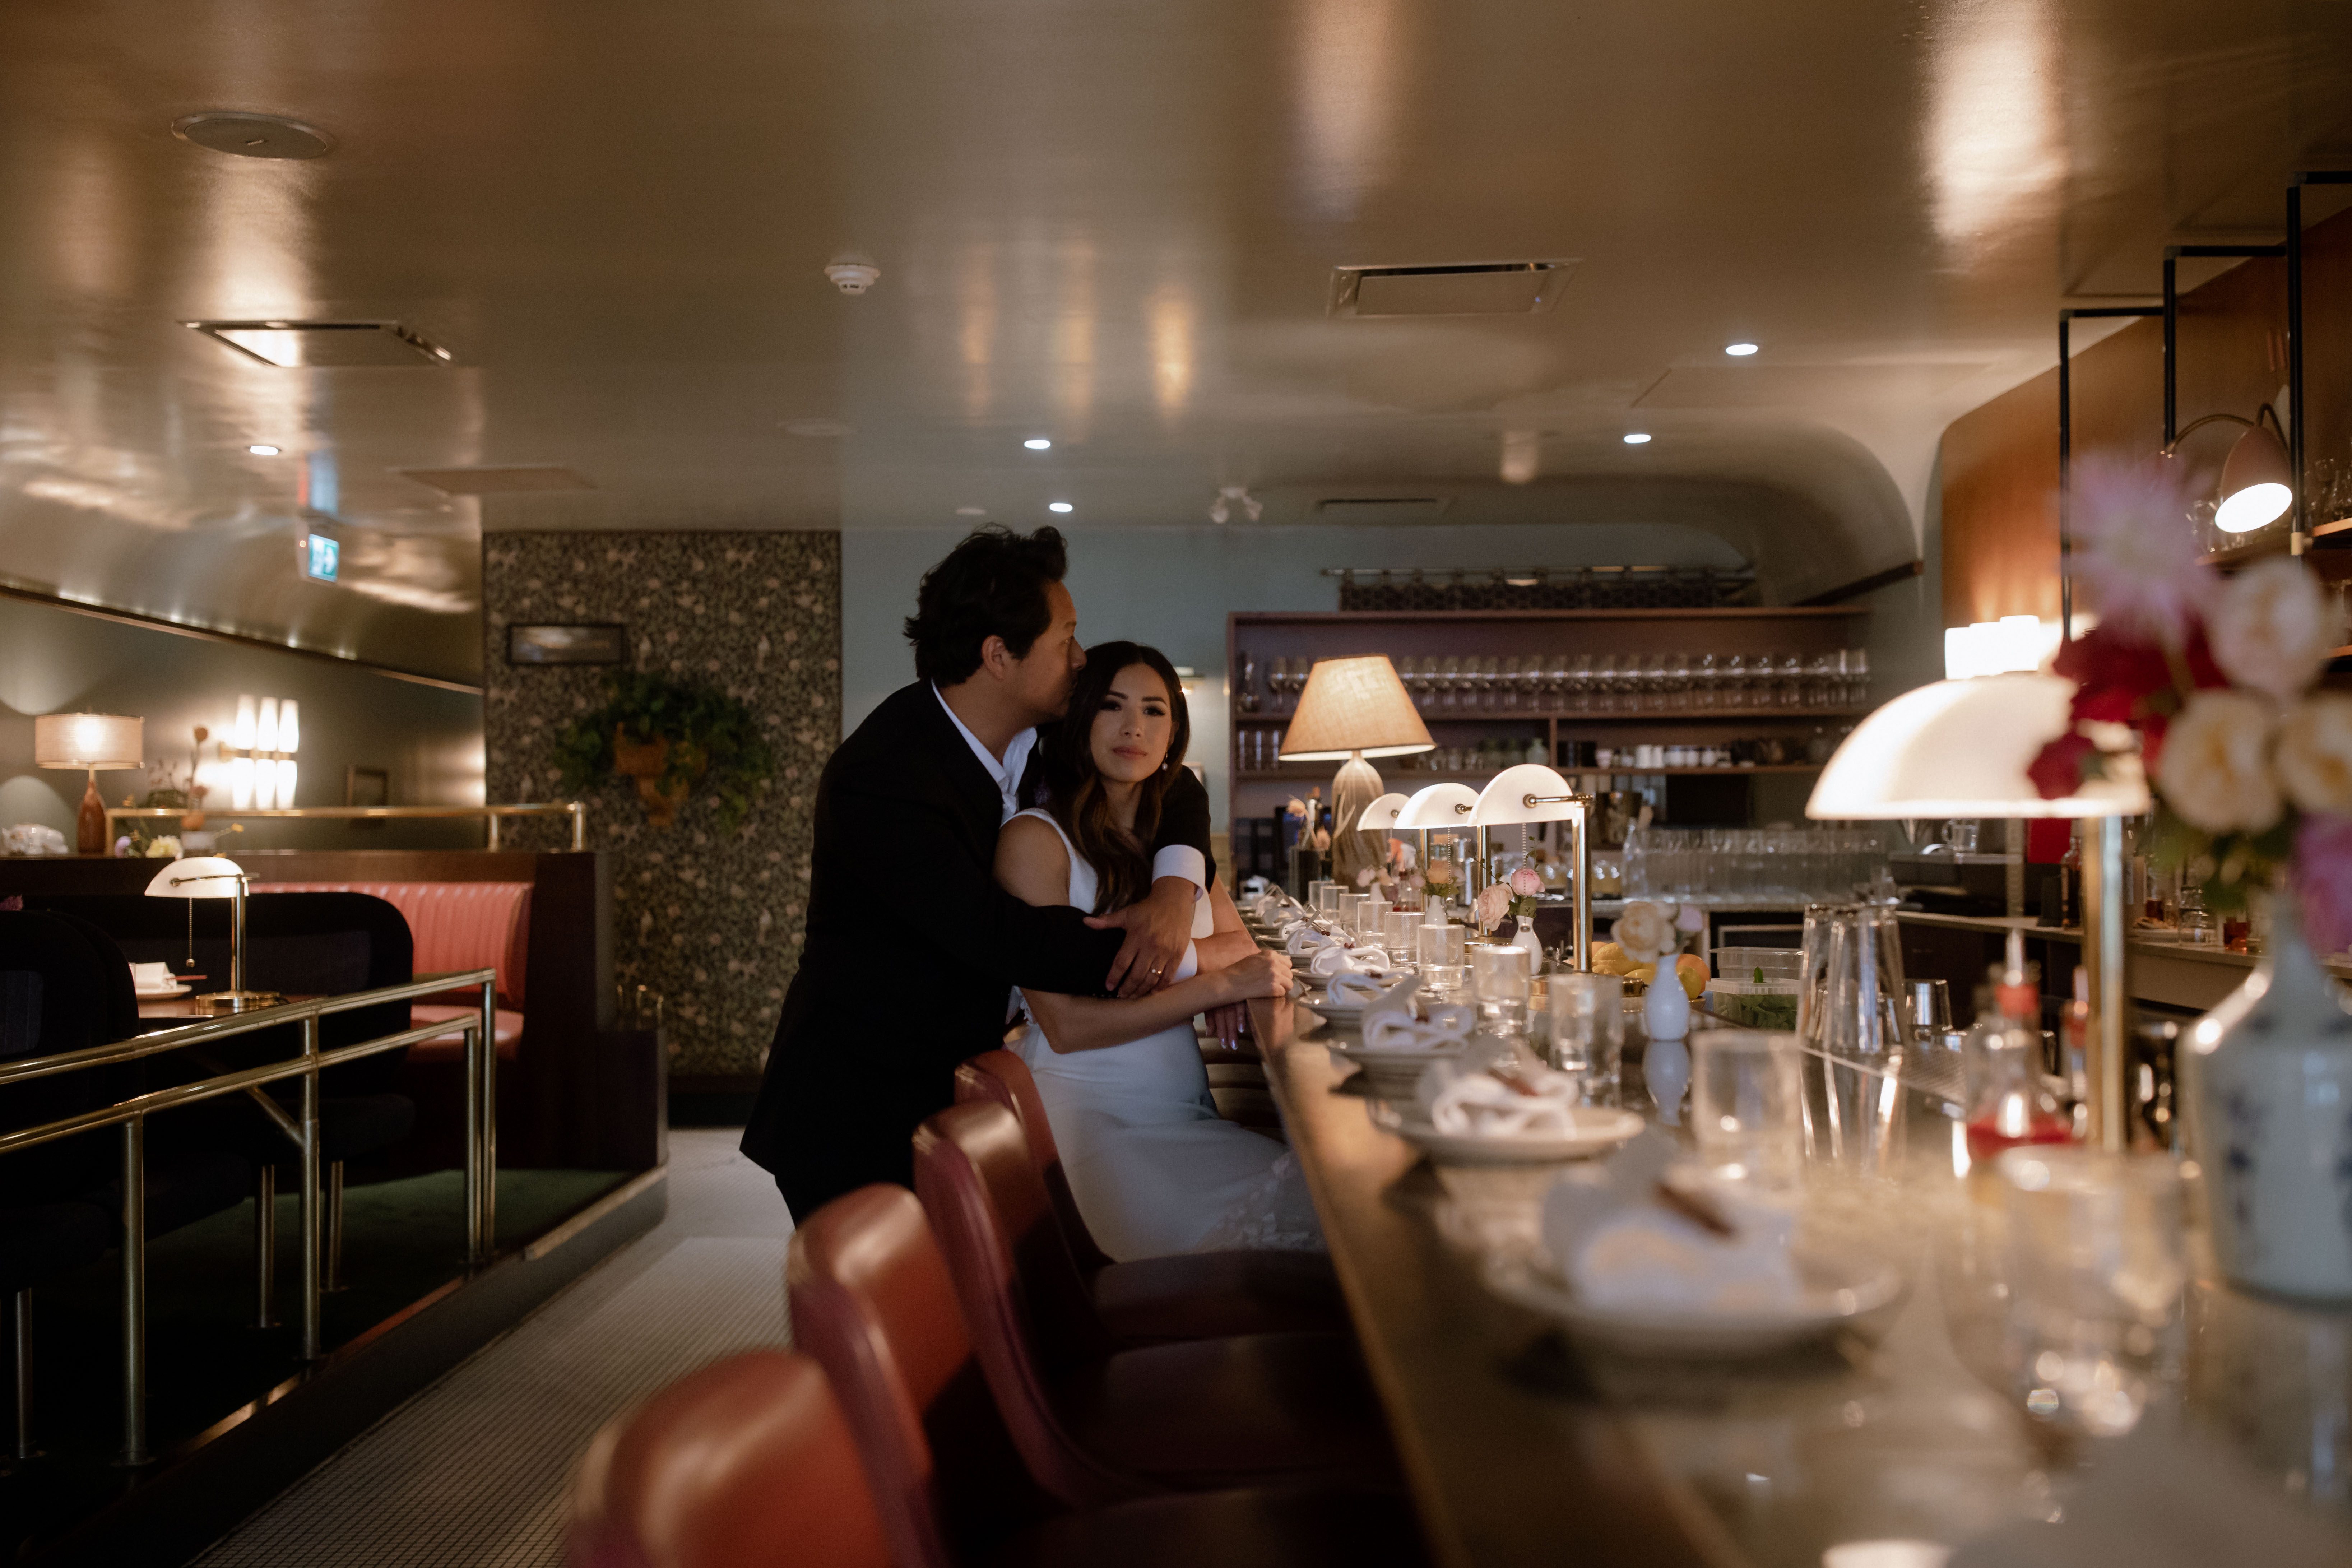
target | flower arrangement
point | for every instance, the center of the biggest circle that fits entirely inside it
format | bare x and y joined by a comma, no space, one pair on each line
667,736
2205,682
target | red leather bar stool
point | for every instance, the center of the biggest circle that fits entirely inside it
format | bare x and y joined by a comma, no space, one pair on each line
871,1300
1151,1301
745,1462
1096,1423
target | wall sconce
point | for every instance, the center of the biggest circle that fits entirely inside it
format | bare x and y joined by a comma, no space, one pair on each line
2257,481
259,752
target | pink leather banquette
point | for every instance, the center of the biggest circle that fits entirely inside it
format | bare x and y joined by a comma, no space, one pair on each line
454,925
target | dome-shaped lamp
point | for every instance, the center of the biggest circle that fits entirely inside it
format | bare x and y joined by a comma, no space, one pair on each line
216,877
1531,792
2257,480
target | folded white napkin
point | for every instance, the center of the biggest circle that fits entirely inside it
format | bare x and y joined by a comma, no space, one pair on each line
1337,960
1353,987
151,976
1307,938
1520,1101
1623,1244
1446,1028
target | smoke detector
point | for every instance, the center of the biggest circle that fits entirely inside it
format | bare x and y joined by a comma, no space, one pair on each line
853,276
1231,496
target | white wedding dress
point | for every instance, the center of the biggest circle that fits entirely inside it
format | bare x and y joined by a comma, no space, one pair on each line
1153,1166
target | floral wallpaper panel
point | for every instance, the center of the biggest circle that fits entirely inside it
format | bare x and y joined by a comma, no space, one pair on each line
710,920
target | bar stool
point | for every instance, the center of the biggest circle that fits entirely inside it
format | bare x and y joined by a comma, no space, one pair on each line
872,1302
1097,1424
1152,1301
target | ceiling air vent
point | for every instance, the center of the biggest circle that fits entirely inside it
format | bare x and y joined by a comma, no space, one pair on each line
1469,289
514,481
1381,511
292,346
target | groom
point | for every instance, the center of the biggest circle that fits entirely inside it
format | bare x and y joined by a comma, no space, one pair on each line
911,946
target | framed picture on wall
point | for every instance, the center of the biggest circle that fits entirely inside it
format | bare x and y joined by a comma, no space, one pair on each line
567,644
367,786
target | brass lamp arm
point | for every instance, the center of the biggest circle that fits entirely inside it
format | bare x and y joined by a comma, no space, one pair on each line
2199,423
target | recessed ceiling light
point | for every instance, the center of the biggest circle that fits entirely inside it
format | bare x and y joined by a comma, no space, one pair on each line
1058,506
971,512
1636,438
1739,350
262,449
1037,444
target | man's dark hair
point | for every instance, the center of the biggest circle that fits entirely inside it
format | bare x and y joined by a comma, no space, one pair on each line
992,585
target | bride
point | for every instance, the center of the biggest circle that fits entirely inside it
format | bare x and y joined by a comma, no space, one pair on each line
1154,1168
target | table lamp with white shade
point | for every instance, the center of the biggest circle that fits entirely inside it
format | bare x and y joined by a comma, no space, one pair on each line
90,740
1530,793
1440,808
1961,748
1352,709
216,877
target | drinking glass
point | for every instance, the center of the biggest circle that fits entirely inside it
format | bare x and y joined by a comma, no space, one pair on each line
1748,1105
1327,899
1439,952
1500,977
2095,1268
1655,678
1735,681
1374,924
1449,681
1604,683
1351,912
1792,680
1505,675
1706,674
1579,680
1857,674
1556,680
1397,927
1587,1030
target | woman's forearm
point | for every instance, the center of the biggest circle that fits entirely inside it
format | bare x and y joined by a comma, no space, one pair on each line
1225,947
1096,1023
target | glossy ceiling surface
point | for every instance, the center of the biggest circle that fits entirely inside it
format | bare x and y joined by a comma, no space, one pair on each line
1108,225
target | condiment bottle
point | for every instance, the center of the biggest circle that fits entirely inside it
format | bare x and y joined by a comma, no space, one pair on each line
2010,1102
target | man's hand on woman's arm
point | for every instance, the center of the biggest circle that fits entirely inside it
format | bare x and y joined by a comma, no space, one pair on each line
1158,928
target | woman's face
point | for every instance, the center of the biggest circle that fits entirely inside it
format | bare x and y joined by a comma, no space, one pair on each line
1132,728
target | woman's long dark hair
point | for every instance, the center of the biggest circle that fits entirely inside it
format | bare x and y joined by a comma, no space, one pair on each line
1074,789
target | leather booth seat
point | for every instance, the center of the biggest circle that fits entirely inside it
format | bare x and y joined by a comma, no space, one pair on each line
872,1302
1189,1296
1096,1423
455,926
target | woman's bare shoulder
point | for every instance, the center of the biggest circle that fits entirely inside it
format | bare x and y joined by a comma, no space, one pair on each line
1032,861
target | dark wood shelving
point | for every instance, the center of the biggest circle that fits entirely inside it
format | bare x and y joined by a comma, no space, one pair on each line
1686,716
1405,781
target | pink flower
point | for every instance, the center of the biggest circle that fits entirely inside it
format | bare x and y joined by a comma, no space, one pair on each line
1492,901
2136,551
1526,882
2322,876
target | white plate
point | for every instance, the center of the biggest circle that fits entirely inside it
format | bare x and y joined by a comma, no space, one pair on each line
1841,1292
160,993
1392,1074
1598,1131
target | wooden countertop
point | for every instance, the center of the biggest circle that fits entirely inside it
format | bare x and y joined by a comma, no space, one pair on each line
1511,1460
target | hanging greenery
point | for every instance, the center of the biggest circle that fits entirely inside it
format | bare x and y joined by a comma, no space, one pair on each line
670,737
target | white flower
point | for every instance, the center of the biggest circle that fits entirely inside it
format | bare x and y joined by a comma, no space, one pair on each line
2314,753
2273,628
1646,931
2215,768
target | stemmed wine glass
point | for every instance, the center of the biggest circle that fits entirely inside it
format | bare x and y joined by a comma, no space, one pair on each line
1735,681
1449,681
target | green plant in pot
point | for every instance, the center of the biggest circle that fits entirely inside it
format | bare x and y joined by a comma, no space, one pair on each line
670,737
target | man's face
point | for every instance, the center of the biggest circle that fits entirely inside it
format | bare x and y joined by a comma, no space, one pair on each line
1041,680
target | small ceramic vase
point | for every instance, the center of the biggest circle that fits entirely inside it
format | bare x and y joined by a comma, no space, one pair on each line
2270,1101
1525,937
1665,1018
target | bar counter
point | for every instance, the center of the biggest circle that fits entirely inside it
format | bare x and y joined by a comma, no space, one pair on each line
1522,1449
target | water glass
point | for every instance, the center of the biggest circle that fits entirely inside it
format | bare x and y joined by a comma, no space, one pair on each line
1396,935
1373,924
2096,1268
1440,956
1587,1030
1327,899
1748,1105
1352,913
1500,977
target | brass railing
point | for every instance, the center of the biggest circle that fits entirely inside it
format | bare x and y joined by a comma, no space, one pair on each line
577,811
130,1115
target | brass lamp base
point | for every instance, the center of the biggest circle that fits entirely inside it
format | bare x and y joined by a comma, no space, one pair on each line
218,1004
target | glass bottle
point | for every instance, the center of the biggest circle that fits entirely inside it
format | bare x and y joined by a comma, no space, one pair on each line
2070,880
2010,1100
2197,927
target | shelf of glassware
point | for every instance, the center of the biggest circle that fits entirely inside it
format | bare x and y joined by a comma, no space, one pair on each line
1406,780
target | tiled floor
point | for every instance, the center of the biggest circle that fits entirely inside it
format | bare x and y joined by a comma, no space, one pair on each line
474,1470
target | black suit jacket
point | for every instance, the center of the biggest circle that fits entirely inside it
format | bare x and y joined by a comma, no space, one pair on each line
910,948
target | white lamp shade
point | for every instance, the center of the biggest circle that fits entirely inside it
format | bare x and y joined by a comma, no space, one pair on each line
198,876
1351,706
88,741
1960,748
289,728
1440,806
1382,815
2257,483
1506,798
